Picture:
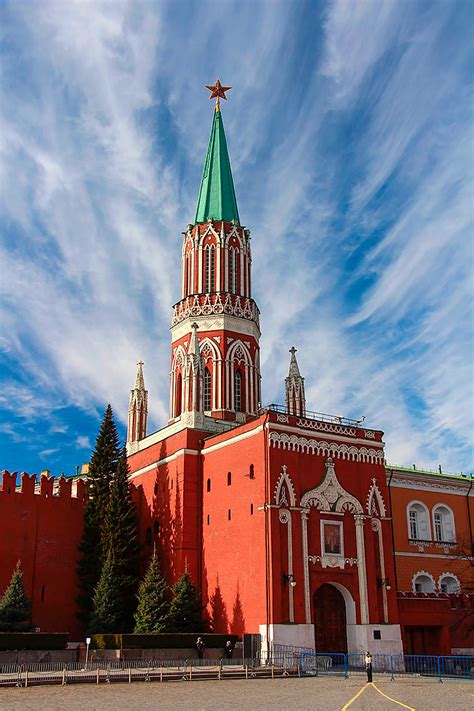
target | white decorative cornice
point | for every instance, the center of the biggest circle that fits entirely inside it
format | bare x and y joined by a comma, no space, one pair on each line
281,440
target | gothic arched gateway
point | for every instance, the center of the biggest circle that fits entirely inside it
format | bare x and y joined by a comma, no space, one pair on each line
329,619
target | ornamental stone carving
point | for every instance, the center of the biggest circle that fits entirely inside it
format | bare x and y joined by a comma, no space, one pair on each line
330,496
293,443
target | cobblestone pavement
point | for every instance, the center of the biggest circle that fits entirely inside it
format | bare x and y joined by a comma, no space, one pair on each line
317,694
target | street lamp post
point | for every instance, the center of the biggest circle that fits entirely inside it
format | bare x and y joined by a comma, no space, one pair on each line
88,641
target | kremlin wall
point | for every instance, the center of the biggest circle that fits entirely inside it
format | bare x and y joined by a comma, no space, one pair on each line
292,518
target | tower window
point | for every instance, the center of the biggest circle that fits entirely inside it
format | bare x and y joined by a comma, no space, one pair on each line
156,488
207,390
210,272
238,391
179,395
208,486
229,478
229,515
233,270
208,519
251,509
252,472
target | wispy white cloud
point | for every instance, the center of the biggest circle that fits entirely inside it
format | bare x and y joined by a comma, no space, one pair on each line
351,156
83,442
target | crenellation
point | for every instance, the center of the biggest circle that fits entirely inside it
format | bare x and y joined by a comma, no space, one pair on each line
47,487
27,484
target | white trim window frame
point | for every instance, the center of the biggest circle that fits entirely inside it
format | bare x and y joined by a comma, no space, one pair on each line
423,524
328,553
443,524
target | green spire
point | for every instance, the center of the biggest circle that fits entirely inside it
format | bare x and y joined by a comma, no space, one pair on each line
216,194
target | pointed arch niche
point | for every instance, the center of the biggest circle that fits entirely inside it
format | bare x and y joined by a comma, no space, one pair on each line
331,497
285,500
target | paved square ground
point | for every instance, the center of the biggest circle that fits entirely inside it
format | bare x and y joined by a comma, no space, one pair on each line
317,694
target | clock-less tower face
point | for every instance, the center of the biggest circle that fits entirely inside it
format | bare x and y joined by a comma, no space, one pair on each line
215,364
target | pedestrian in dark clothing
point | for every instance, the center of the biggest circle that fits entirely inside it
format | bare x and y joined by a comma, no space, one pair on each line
200,647
228,649
368,666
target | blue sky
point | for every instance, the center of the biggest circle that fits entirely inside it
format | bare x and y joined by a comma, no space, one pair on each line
349,128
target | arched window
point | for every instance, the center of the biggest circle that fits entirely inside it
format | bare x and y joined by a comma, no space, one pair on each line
207,390
418,522
210,272
423,582
229,478
179,396
449,584
238,391
233,270
443,524
187,274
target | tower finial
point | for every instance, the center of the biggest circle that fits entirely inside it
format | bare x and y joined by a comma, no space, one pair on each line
294,386
137,410
218,92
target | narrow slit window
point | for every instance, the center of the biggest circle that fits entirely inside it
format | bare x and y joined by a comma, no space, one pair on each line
229,515
229,478
238,392
207,389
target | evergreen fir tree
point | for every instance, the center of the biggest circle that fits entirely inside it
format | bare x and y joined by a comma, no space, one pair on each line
15,606
153,601
102,468
108,610
185,614
120,535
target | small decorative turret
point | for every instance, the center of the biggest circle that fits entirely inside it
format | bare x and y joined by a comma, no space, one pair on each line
137,409
294,386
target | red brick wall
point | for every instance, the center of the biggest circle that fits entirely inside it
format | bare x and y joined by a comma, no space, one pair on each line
43,530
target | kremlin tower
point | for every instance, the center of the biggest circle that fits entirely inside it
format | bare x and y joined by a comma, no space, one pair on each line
215,367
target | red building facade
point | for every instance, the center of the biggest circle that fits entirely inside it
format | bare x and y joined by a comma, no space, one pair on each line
288,521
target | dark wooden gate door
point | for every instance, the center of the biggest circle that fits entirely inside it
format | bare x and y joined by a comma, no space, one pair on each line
330,620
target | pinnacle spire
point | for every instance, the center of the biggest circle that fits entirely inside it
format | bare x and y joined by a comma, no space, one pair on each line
293,370
137,410
217,199
139,380
294,386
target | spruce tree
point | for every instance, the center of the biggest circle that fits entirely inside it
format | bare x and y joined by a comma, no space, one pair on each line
120,535
153,601
108,610
102,468
15,606
185,614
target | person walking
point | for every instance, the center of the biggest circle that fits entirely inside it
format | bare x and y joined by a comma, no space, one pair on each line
200,647
368,666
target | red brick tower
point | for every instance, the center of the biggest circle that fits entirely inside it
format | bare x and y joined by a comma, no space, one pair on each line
215,368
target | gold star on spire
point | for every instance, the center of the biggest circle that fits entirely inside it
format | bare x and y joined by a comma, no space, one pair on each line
218,92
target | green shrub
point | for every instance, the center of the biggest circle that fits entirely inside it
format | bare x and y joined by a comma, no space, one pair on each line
12,641
106,641
160,640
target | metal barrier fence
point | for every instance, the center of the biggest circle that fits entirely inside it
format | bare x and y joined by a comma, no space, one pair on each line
103,671
277,663
393,665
